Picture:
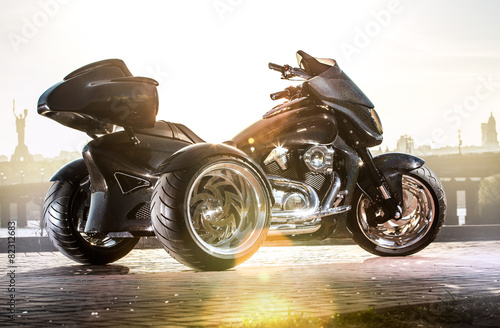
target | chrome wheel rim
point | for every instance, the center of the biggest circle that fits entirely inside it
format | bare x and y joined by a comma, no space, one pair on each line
416,221
80,209
226,209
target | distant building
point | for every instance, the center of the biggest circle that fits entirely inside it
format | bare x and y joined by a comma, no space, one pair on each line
489,137
489,143
405,144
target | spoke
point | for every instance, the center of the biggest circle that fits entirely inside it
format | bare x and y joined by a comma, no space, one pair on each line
225,205
416,221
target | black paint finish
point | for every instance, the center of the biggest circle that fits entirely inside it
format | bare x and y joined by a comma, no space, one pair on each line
96,97
293,129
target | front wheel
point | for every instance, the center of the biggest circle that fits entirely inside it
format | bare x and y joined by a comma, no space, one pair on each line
65,213
212,216
424,207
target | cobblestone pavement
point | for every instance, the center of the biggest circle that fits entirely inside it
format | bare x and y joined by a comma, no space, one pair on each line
149,288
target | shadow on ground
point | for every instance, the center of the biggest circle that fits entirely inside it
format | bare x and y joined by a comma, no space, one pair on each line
80,270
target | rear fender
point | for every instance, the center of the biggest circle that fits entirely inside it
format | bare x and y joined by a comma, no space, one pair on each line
186,156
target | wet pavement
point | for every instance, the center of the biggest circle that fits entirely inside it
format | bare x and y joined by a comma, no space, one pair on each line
147,287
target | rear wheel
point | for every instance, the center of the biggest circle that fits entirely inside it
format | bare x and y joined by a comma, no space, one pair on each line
65,213
424,207
212,216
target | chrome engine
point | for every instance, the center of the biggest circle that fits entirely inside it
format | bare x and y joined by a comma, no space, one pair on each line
298,209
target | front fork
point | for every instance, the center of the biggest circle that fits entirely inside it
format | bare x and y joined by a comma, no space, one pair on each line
385,194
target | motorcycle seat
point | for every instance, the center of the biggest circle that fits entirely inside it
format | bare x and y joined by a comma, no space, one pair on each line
171,130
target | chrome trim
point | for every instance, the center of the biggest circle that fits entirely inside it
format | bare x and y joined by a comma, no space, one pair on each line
278,155
384,192
340,196
293,229
305,227
309,219
142,183
281,185
327,165
122,234
334,190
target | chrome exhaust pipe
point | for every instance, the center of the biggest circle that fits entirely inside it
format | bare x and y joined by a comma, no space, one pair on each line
308,220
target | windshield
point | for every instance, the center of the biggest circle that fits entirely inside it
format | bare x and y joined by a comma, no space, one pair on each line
333,85
312,65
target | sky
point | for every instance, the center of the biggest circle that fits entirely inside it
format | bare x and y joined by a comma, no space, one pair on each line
430,67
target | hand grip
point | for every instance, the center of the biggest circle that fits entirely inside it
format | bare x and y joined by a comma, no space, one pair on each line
276,67
279,95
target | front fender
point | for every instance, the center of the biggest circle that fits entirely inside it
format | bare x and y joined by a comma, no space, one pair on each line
397,161
185,157
74,171
392,166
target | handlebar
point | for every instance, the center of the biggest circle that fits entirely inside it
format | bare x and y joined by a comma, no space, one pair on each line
288,72
277,67
279,95
288,93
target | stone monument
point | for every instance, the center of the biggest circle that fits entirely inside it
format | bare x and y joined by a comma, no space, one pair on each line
21,153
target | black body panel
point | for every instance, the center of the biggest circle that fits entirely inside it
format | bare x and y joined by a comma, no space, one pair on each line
336,90
172,131
122,175
391,166
71,172
99,95
357,119
291,129
334,84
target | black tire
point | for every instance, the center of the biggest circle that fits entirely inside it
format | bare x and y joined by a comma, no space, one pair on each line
65,210
206,216
413,232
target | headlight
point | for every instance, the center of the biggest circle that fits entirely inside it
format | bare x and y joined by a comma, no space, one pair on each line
376,119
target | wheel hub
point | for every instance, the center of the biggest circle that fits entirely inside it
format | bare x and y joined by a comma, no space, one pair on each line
211,210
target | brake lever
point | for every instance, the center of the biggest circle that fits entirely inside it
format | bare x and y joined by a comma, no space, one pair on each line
290,72
287,72
300,79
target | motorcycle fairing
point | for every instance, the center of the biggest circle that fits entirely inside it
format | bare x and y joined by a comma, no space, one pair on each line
333,88
334,84
99,95
122,176
359,120
312,65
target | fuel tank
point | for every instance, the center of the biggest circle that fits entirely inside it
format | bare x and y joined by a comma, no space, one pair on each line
290,129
